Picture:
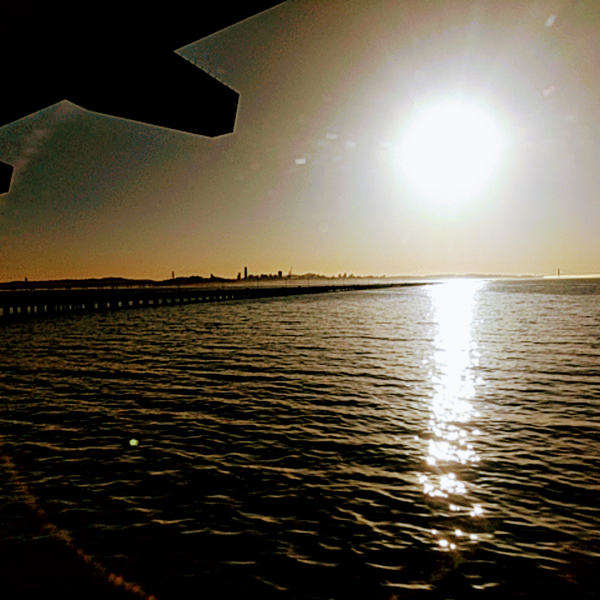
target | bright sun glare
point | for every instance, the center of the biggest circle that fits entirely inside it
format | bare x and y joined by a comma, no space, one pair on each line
450,151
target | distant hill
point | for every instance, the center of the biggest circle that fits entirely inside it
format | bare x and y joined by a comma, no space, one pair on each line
107,282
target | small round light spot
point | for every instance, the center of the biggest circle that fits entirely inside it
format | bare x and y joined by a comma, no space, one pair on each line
133,442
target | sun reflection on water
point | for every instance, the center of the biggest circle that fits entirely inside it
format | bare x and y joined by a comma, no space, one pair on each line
450,431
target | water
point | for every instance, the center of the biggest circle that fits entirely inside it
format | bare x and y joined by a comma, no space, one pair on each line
440,441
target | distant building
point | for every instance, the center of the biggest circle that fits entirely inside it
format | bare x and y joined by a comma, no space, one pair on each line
245,272
280,274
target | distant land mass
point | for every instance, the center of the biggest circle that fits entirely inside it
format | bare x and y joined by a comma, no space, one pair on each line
108,282
193,280
120,282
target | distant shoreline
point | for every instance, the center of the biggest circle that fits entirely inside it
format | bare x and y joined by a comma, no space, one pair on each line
589,276
194,280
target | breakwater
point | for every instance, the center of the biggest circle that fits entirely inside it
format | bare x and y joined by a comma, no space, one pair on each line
22,304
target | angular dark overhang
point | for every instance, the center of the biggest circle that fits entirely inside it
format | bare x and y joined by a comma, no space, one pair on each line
117,59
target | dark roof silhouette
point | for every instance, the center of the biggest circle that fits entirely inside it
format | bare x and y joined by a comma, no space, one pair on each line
116,58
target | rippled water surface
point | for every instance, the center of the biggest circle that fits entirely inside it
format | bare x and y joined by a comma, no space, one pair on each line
437,441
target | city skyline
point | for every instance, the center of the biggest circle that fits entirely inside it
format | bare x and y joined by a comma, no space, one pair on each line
315,173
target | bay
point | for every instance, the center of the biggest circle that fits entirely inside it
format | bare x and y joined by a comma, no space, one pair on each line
434,441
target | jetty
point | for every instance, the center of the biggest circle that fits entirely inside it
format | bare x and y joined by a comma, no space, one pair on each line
39,303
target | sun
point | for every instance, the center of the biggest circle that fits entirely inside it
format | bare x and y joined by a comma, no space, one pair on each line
450,151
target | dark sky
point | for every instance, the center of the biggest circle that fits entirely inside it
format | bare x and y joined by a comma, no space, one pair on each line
313,175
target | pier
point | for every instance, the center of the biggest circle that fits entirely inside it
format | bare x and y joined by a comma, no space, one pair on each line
40,303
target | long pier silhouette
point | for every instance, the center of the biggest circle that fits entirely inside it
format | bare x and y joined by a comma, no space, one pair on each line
40,303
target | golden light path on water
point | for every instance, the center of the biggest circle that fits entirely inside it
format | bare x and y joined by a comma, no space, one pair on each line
450,432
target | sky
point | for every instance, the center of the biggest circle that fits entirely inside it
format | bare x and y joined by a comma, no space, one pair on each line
319,175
